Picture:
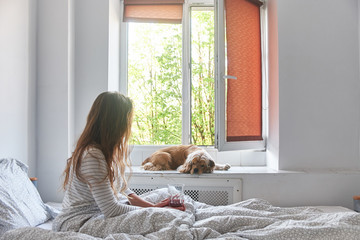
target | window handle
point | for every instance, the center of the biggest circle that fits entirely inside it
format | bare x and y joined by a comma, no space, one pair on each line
229,77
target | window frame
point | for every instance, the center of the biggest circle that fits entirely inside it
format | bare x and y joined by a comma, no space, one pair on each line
187,69
141,151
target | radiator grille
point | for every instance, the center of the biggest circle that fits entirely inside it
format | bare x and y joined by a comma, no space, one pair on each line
208,195
213,191
140,191
219,197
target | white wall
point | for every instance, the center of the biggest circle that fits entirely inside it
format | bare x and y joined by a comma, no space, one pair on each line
319,87
314,96
313,188
91,56
114,46
272,155
96,53
54,79
17,81
73,68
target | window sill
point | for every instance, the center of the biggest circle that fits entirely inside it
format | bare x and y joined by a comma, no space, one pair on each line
238,172
233,172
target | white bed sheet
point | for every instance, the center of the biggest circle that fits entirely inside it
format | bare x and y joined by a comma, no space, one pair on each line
326,209
48,224
331,209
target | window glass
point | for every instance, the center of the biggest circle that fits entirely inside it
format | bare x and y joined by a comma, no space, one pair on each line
155,82
202,76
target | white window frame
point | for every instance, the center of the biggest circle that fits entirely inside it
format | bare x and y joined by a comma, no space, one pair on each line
186,98
140,152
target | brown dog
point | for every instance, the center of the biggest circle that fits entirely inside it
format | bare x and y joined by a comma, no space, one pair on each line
184,158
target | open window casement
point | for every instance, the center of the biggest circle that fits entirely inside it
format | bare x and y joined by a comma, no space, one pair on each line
239,77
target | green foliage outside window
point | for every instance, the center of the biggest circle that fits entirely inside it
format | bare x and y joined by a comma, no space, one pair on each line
155,81
203,96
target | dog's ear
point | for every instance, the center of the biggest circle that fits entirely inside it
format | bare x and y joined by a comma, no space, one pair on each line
210,167
146,161
211,163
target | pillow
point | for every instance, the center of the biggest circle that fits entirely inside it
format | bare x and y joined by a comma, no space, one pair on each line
20,202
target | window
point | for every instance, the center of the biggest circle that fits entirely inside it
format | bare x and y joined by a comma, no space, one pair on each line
177,71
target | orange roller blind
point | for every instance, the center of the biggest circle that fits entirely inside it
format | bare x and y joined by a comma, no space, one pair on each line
155,11
244,95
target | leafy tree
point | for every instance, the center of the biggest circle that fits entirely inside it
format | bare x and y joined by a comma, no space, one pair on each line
155,81
203,102
154,73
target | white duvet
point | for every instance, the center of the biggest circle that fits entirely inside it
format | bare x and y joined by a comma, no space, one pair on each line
250,219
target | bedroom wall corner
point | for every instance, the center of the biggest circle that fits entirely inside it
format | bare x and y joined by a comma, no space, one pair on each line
358,27
54,94
31,98
17,81
272,150
114,45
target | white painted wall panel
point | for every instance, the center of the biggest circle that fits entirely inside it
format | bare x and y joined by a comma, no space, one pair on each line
319,87
17,81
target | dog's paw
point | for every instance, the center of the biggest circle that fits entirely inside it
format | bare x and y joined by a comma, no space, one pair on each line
149,166
182,169
223,167
227,166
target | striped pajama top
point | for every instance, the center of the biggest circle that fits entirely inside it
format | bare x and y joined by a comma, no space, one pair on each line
94,169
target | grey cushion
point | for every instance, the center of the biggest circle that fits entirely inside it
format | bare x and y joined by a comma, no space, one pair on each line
20,202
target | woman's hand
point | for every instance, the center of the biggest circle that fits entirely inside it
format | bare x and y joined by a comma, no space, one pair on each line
138,201
135,200
166,203
163,203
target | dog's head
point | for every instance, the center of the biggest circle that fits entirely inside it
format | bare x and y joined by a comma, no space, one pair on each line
198,162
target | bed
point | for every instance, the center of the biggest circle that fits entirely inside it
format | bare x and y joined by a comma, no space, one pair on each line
23,215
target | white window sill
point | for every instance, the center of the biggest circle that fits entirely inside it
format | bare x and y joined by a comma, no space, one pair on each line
233,172
237,172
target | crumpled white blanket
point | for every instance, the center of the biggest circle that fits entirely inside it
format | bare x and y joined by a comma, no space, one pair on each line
250,219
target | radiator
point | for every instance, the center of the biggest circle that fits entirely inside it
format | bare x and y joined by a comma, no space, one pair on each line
213,191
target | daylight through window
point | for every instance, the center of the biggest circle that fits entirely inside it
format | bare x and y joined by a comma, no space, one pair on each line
195,75
155,82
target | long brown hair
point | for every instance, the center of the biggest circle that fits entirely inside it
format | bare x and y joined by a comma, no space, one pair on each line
108,128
